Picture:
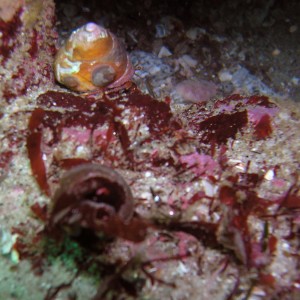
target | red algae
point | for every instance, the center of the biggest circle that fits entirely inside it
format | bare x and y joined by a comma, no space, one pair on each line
69,163
272,243
33,51
227,195
90,114
291,198
221,127
251,204
232,115
5,158
34,142
238,233
20,89
9,30
122,131
200,164
39,211
261,101
158,115
267,279
263,128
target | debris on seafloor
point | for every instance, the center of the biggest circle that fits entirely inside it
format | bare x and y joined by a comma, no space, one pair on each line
195,91
7,243
152,75
243,80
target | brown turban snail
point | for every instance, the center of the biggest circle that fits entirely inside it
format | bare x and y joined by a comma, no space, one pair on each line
92,59
88,197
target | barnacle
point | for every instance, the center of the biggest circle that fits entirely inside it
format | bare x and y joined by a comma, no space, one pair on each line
89,195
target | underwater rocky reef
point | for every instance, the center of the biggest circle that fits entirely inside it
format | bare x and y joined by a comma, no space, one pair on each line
149,150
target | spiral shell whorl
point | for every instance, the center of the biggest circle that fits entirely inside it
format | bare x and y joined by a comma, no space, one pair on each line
92,58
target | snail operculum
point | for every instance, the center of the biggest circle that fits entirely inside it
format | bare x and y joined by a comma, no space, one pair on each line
103,75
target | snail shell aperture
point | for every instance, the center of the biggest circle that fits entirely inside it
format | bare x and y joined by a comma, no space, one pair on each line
92,58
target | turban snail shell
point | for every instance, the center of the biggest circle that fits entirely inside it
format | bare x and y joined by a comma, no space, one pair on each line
92,59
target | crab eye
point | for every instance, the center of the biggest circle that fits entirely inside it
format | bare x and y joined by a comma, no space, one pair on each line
103,75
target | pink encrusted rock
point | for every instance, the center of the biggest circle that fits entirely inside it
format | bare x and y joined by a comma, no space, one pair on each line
196,90
8,9
201,164
26,59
